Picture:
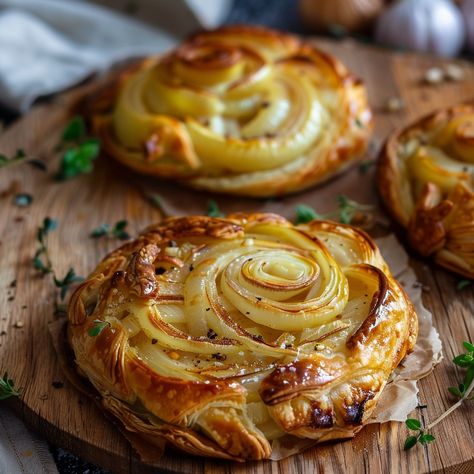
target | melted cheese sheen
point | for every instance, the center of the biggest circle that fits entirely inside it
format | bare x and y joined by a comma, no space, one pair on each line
230,304
239,110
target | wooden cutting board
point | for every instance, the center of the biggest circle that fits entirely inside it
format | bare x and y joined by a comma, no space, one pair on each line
70,420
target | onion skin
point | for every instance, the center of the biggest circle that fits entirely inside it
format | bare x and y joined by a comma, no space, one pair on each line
240,110
222,334
425,179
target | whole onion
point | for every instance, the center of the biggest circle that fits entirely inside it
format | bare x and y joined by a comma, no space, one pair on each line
434,26
467,8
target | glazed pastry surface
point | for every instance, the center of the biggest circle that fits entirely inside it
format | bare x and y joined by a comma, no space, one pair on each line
221,335
425,177
238,110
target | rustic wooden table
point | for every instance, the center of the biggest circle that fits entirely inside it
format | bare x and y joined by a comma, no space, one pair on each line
68,419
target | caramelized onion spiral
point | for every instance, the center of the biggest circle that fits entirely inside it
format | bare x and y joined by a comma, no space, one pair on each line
240,110
426,177
221,335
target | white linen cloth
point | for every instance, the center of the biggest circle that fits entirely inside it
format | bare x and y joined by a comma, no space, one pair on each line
22,452
49,45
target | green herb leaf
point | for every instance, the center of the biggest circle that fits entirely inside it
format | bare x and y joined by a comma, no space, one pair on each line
426,438
17,157
464,360
413,424
100,231
66,282
75,129
49,224
346,209
78,160
410,442
7,388
23,199
463,284
119,230
455,391
39,264
41,260
213,209
468,346
98,327
305,214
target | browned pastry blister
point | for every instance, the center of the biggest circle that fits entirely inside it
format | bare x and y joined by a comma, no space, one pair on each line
222,335
425,176
239,110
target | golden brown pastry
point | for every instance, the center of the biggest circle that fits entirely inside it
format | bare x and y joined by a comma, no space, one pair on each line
239,110
221,335
425,177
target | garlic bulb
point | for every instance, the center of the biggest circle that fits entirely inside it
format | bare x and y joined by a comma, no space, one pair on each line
434,26
350,14
467,8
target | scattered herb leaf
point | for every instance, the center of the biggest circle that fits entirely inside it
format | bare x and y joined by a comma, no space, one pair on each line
75,129
23,199
66,282
100,231
213,209
347,210
7,388
413,424
118,231
98,327
42,261
410,442
305,214
78,150
19,157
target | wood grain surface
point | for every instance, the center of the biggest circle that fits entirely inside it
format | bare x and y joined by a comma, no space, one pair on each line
70,420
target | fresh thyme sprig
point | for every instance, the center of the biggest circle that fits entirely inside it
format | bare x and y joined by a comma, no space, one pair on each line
79,150
213,209
42,260
347,210
464,391
118,231
7,388
66,282
20,157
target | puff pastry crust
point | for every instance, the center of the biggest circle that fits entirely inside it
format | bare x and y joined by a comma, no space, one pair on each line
425,177
221,335
238,110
